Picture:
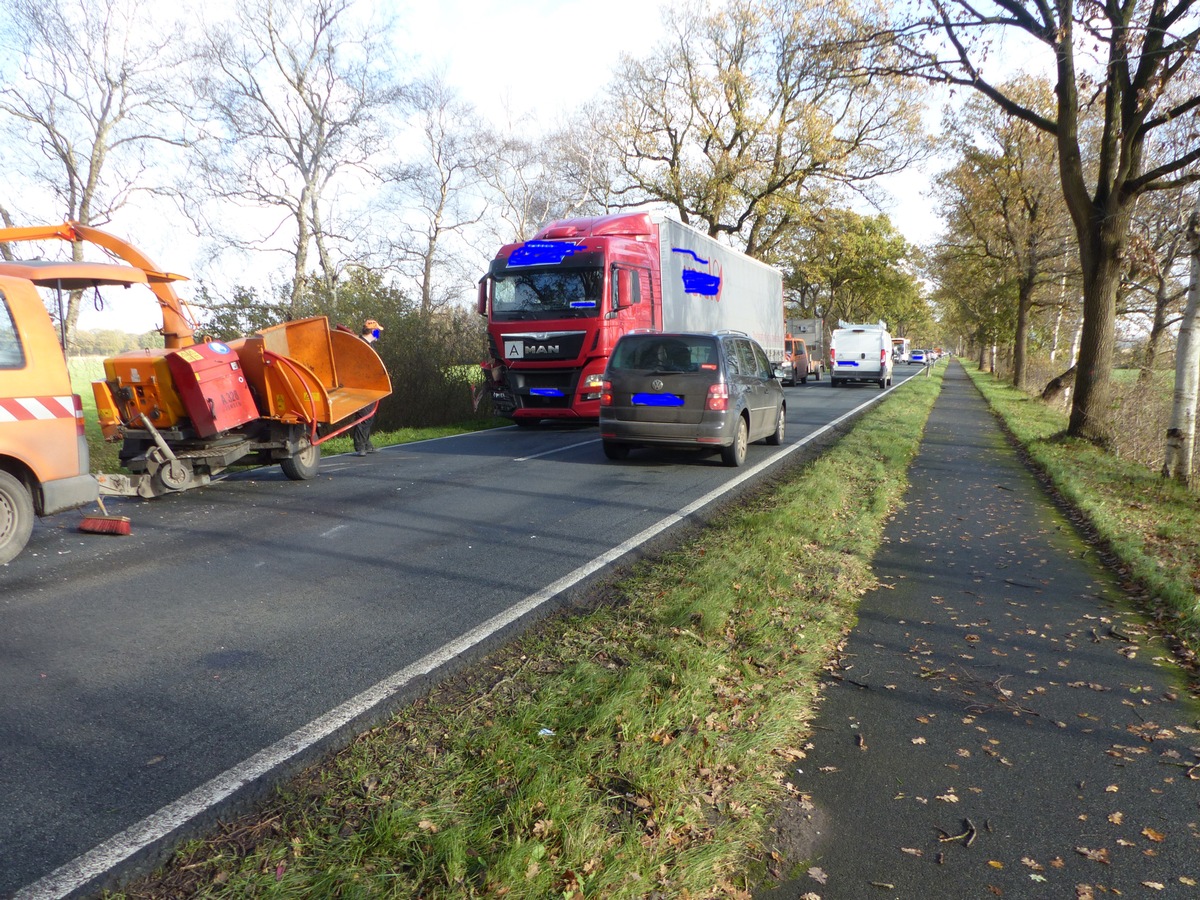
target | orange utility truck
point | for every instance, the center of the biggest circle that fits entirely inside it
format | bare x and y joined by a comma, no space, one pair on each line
183,413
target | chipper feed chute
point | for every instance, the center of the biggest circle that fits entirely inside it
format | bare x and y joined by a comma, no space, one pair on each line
302,371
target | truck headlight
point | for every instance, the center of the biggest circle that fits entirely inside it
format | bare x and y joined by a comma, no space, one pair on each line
591,387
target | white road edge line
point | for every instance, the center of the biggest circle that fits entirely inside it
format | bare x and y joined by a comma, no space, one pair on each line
110,853
555,450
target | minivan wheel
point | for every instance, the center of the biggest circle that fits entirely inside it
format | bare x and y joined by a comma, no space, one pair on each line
780,424
616,451
735,454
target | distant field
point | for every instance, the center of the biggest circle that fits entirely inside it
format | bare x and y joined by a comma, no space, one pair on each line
84,370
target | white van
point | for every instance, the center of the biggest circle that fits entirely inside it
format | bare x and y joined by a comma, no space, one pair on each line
860,353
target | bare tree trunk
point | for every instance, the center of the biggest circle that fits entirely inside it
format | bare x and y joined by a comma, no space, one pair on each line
1101,249
1057,327
300,256
1181,434
1021,342
1059,386
1157,329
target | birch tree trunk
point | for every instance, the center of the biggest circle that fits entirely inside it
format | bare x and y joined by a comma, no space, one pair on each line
1181,434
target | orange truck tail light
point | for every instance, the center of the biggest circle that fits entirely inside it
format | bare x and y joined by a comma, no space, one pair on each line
80,429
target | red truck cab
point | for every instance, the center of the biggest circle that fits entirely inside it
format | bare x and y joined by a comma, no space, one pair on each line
556,306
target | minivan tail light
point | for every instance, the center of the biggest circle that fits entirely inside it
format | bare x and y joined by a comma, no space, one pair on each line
606,394
718,398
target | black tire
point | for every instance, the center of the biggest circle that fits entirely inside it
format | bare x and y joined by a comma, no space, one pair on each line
735,454
527,423
616,451
16,517
776,438
804,380
882,383
817,375
304,465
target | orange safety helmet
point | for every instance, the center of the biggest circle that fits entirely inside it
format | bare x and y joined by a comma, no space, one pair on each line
371,325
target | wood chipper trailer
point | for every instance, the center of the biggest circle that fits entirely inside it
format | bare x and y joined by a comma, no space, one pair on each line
193,408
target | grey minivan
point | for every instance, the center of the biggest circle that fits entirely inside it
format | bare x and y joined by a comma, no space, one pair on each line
716,391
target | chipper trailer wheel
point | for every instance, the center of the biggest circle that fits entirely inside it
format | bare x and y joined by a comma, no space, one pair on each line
303,466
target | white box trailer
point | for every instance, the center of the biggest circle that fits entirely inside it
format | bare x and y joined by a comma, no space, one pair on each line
709,287
859,353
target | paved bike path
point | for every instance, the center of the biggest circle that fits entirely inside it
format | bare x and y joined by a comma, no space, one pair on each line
999,724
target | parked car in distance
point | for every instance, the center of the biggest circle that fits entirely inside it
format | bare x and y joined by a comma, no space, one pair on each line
918,357
716,391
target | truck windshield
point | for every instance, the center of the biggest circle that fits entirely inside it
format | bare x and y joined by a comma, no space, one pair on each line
558,293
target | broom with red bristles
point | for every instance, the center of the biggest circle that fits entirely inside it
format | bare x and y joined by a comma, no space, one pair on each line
105,524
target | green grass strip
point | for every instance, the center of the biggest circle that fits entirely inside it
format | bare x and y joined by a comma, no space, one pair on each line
639,749
1151,524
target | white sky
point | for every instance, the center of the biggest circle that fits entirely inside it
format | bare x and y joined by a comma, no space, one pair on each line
540,56
535,57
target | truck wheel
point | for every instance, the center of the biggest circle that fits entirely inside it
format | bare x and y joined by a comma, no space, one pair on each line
303,466
780,425
882,383
817,375
616,451
735,454
16,517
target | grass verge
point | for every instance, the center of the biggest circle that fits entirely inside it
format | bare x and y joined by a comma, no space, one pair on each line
1150,524
640,748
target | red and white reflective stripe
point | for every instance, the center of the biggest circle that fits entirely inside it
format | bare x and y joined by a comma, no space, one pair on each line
27,409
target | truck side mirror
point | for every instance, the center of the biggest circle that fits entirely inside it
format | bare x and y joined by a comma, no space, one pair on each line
481,298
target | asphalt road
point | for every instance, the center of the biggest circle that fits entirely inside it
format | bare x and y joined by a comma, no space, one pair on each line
146,680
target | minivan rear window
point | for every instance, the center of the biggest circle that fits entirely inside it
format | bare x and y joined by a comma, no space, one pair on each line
667,353
12,354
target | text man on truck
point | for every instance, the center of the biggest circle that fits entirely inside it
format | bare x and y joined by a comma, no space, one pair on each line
556,305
